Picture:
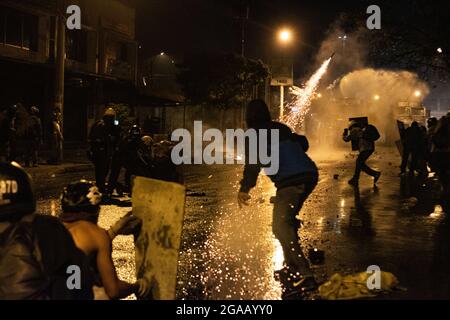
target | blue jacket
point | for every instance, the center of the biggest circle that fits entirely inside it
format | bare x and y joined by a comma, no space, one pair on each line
295,166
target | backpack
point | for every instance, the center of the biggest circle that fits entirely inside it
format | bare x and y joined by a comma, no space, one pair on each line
34,255
22,275
371,133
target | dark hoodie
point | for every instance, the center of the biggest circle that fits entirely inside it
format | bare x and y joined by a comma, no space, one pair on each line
295,167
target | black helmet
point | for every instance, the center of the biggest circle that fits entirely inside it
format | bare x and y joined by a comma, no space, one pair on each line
16,193
81,196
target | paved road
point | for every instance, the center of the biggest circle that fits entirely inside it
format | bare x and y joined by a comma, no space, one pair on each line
229,253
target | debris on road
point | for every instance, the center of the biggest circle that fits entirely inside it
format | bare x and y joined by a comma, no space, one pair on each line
355,286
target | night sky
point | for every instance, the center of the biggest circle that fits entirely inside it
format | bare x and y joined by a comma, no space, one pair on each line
183,26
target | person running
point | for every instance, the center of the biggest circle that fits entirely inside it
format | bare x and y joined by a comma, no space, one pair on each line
296,179
364,135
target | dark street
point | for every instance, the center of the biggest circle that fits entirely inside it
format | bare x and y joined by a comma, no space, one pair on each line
229,253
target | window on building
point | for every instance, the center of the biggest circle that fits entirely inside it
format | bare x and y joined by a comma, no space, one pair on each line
18,29
76,45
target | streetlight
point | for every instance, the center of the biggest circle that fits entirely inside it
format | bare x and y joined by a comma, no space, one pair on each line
285,38
417,93
439,50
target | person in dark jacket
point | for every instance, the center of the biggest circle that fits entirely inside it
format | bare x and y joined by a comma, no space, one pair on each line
415,147
359,133
295,180
104,139
33,138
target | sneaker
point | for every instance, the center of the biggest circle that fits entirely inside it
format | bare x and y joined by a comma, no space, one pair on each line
306,284
376,178
300,289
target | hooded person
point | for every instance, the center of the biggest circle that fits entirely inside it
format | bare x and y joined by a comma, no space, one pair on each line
80,203
36,251
295,180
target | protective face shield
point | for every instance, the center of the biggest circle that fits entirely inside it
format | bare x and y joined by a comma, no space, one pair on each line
16,193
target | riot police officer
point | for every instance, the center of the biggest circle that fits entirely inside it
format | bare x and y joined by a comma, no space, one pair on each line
103,140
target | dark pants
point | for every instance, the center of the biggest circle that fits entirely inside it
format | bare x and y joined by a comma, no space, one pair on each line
31,152
362,166
101,163
442,163
288,203
418,162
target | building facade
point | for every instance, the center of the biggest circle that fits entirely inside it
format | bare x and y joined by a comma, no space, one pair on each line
100,60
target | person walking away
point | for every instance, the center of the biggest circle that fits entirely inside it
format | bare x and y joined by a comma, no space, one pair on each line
365,136
415,146
104,138
33,138
56,138
36,251
296,179
80,203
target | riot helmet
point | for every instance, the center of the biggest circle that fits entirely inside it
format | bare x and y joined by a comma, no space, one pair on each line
16,192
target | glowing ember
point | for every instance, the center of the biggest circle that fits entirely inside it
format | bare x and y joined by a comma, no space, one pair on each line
298,108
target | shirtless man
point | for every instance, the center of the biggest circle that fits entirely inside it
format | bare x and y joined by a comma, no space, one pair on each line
80,209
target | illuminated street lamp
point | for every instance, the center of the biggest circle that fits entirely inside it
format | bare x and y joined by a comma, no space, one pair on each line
417,93
285,38
439,50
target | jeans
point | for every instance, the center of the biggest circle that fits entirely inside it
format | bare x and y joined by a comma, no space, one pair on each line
362,166
288,203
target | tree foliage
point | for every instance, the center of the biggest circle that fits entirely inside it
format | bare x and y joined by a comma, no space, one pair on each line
411,33
220,79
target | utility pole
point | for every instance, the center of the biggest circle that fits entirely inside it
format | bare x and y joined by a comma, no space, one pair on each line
244,19
60,59
281,102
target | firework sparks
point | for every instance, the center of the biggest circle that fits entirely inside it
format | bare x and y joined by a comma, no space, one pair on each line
298,108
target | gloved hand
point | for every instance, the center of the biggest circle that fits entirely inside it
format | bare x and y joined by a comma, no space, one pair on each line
125,226
144,288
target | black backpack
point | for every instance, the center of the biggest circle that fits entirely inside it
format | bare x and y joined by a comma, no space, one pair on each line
31,270
371,133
